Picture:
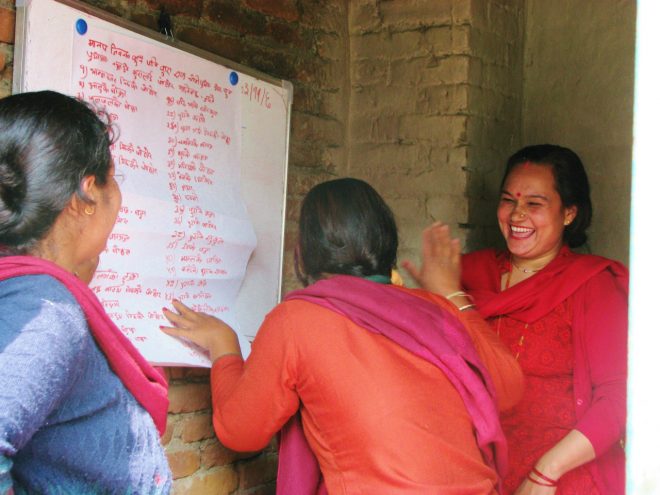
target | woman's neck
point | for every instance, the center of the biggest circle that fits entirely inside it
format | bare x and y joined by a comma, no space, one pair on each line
524,268
533,265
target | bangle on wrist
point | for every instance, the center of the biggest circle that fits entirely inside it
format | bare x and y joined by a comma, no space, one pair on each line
542,480
459,293
467,306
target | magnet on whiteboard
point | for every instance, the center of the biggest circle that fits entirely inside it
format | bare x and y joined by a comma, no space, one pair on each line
81,26
233,78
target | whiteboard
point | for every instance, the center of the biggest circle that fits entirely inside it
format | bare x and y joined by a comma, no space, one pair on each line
47,56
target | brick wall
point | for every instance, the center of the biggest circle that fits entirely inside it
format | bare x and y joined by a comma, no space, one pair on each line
7,22
395,92
434,109
409,109
303,41
422,98
495,102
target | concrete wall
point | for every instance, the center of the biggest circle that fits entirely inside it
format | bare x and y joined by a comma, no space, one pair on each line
578,92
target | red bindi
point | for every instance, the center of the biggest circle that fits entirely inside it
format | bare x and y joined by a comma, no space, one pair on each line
518,194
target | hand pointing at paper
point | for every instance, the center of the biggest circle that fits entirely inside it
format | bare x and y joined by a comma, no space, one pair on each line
202,329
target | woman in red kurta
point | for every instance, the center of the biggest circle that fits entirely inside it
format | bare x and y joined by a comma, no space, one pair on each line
398,389
564,316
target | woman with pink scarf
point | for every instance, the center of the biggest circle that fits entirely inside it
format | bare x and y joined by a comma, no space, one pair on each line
80,409
379,388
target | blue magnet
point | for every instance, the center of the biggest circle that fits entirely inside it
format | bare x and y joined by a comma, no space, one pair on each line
233,78
81,26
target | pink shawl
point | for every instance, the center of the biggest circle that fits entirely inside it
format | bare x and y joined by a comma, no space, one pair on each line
418,326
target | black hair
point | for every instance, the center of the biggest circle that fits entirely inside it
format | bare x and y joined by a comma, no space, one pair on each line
346,228
48,143
571,183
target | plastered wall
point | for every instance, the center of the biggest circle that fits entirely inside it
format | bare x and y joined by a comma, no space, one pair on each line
578,91
435,96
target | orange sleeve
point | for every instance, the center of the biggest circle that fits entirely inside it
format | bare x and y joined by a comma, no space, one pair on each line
253,399
503,367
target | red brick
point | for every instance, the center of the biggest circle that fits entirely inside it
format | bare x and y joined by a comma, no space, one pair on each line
257,471
183,462
222,481
192,8
276,63
189,397
228,46
7,24
310,72
227,14
306,99
148,20
169,430
268,489
284,9
6,79
196,428
180,373
216,454
287,34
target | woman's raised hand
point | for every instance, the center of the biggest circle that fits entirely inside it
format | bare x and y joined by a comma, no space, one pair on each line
202,329
440,271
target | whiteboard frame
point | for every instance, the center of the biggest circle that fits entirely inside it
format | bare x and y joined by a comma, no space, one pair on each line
19,84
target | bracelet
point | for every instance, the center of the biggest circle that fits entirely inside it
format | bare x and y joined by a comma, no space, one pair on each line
460,293
549,481
467,306
537,482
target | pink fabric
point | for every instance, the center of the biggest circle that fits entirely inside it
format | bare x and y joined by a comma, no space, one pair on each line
412,323
145,382
598,288
298,471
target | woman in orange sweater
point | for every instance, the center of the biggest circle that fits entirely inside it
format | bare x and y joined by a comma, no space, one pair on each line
398,389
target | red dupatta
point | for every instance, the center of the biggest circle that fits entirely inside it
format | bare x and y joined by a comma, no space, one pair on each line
147,384
533,298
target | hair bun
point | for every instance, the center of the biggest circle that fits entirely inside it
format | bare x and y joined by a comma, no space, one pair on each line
13,188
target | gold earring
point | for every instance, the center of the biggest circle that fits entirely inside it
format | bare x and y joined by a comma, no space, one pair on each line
89,210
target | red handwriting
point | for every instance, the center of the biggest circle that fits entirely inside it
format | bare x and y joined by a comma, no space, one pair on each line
256,93
124,81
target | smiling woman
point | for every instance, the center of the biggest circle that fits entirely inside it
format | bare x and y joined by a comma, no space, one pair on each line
564,317
80,409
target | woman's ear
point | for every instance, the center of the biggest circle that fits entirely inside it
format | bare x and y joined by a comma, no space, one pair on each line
569,215
89,190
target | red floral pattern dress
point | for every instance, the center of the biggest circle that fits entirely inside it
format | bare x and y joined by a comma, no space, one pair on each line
546,412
